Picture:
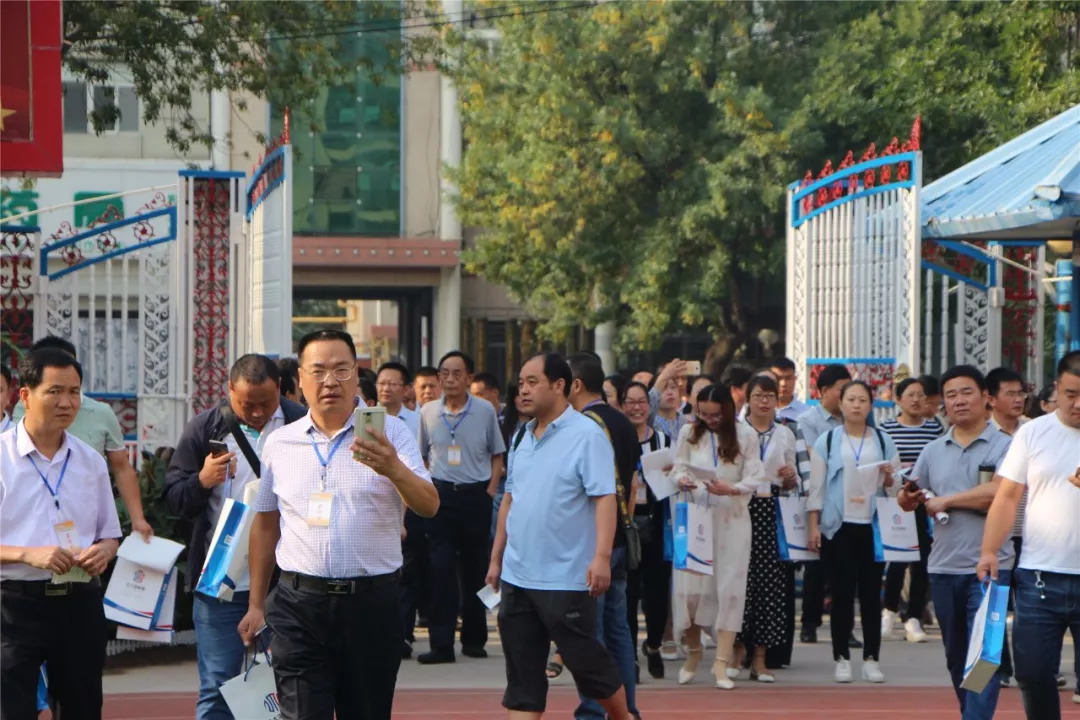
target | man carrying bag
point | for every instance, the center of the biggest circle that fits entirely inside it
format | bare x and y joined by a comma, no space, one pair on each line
216,458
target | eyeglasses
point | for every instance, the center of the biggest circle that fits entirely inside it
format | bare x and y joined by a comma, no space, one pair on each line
711,417
321,375
756,397
388,384
456,374
636,403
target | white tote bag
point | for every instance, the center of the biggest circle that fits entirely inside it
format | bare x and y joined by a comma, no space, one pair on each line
699,537
793,530
252,695
895,536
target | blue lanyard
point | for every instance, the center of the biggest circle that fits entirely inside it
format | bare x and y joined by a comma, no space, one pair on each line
333,449
768,436
715,456
464,414
667,428
60,480
856,453
594,402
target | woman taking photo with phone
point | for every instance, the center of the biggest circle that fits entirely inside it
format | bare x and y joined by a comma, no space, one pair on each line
850,466
729,448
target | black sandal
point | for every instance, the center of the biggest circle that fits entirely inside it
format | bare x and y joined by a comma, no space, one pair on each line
554,669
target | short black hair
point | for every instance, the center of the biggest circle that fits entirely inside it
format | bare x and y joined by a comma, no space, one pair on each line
53,341
857,383
633,384
6,372
619,383
325,334
555,368
1000,375
783,363
1070,362
764,382
487,380
964,371
427,371
586,368
930,384
289,367
288,384
736,375
904,384
255,369
406,378
32,366
470,367
367,389
832,374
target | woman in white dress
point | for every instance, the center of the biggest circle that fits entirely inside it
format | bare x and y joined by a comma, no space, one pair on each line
717,441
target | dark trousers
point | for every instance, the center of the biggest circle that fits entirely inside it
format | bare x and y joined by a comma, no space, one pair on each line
415,574
956,600
335,652
920,581
813,593
650,585
459,561
780,656
1043,614
69,633
849,556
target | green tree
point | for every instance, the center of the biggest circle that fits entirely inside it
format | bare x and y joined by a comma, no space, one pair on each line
629,161
172,51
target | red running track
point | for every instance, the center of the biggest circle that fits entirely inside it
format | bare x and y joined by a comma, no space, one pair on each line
697,702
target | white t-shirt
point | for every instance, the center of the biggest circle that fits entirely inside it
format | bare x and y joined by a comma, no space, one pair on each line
1044,454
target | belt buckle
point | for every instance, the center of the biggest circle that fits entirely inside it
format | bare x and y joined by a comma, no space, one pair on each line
57,590
339,587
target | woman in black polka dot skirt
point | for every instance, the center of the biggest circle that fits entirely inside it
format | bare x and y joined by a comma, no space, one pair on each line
766,616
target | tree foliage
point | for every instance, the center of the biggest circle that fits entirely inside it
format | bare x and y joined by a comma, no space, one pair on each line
629,161
173,51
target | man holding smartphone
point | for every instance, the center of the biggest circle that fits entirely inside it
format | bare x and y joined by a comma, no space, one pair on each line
216,458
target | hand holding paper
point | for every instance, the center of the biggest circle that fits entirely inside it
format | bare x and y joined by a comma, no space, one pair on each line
655,466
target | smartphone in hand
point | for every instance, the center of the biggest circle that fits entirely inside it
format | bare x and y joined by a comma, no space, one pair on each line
366,419
218,448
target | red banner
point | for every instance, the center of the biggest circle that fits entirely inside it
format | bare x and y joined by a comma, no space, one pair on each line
31,99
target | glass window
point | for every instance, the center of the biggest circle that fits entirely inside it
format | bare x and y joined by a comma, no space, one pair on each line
75,110
105,97
129,110
347,175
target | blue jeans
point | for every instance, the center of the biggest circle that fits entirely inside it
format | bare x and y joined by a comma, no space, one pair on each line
1047,604
220,650
956,600
613,630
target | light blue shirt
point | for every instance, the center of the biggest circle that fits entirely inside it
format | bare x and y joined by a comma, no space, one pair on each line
551,528
474,430
411,418
793,411
815,422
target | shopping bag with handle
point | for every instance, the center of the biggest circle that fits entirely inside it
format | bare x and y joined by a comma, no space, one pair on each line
792,530
987,638
252,695
895,536
693,538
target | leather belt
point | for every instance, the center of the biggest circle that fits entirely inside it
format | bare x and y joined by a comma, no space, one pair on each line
338,586
45,588
459,487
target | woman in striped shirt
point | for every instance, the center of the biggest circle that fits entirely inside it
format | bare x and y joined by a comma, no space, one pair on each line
911,431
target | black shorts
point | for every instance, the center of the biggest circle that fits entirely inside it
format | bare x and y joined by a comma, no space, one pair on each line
529,621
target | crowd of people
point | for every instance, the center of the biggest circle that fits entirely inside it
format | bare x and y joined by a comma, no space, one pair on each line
539,494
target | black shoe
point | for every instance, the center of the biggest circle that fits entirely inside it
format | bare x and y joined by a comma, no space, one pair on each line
854,642
473,652
436,657
1061,681
808,635
653,662
1006,681
406,651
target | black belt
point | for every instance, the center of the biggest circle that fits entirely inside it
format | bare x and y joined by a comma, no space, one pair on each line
458,487
338,586
46,588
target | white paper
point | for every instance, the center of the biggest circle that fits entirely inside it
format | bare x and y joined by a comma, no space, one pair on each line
75,575
133,594
489,596
653,465
158,554
162,630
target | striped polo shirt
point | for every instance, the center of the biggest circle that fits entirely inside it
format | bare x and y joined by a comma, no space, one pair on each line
911,439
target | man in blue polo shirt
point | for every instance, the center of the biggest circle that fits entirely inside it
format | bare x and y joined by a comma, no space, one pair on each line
552,552
463,446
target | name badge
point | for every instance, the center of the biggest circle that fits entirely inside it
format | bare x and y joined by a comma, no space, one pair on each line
453,455
319,505
66,536
642,495
857,499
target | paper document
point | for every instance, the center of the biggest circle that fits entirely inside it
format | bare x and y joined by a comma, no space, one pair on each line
653,465
868,479
700,475
489,596
158,554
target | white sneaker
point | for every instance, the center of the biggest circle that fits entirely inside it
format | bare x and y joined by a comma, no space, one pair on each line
888,622
913,631
843,671
871,672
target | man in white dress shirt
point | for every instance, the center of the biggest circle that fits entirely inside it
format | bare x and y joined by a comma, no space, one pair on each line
51,528
331,516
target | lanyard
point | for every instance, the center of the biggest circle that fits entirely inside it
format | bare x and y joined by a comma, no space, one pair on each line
333,449
464,414
594,402
673,434
856,453
764,438
715,457
59,481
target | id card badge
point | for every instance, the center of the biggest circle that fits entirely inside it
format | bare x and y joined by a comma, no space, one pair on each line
642,495
66,537
319,505
453,455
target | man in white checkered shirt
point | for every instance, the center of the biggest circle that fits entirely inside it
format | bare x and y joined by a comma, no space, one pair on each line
332,517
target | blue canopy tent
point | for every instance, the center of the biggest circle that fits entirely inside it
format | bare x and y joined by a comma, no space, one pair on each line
1027,190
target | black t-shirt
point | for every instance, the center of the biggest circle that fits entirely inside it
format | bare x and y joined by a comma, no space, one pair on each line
624,442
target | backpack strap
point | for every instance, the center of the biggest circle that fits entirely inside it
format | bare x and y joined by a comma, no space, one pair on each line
518,437
240,436
624,513
881,443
